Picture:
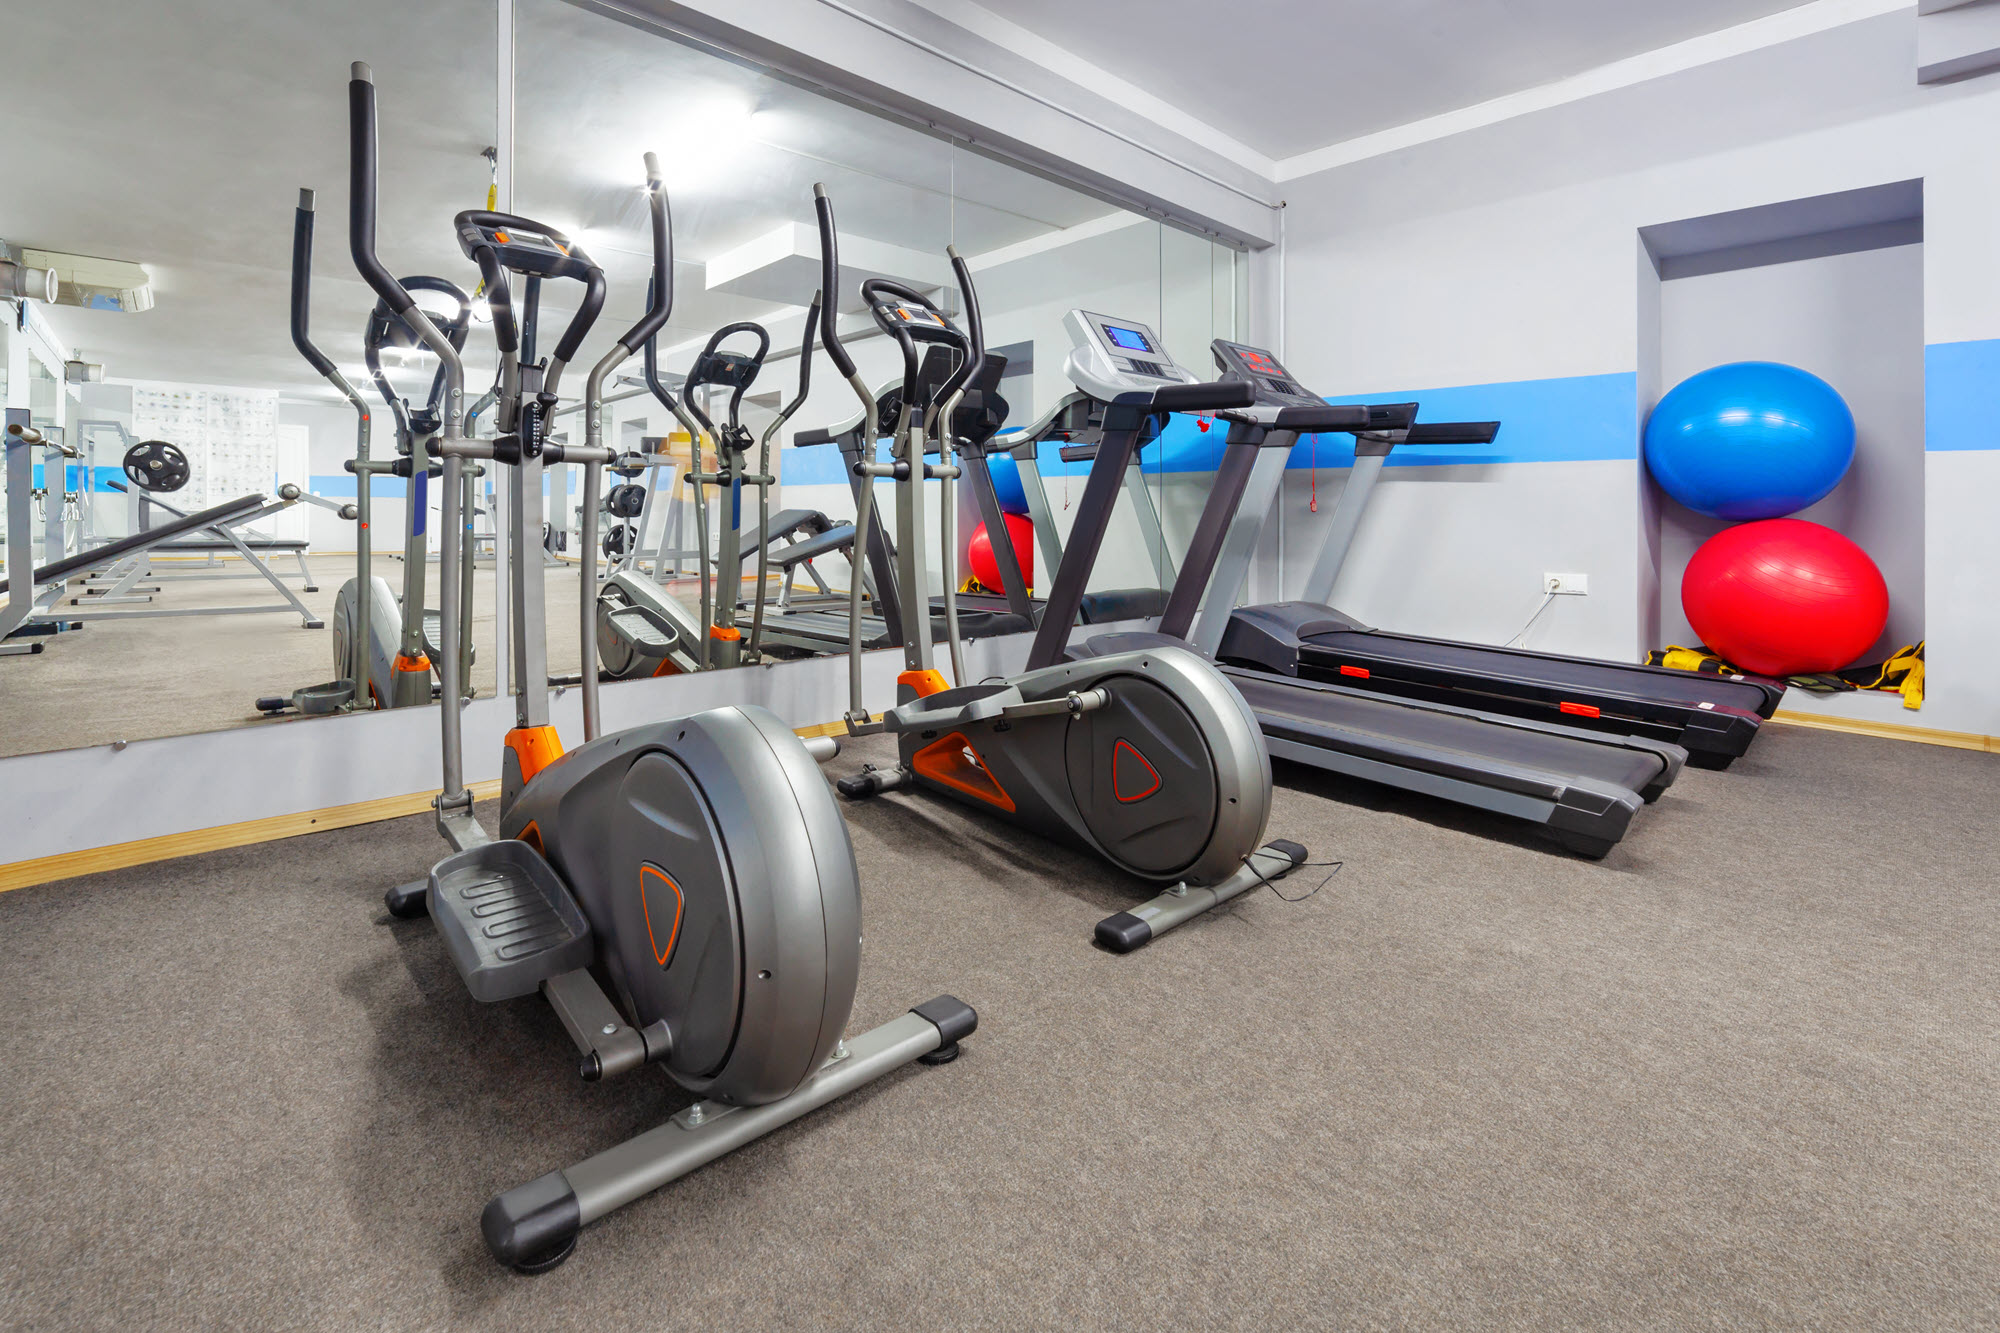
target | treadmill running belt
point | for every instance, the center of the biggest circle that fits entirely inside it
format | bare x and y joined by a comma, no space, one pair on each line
1536,759
1686,689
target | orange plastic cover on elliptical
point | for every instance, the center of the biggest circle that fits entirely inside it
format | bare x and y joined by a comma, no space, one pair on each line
535,748
925,683
953,763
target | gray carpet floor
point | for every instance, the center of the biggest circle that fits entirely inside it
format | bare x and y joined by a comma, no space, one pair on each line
1740,1074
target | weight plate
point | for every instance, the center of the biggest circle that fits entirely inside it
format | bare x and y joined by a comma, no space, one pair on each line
155,465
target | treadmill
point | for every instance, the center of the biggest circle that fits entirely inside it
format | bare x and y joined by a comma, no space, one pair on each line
1074,425
1713,717
1582,787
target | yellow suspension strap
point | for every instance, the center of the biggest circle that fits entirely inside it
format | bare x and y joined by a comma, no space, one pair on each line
1690,659
1902,672
492,156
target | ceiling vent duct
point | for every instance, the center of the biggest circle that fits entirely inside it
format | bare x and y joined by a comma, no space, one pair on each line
94,283
20,282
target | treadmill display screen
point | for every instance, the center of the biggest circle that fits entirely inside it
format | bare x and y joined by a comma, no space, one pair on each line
1260,363
1130,340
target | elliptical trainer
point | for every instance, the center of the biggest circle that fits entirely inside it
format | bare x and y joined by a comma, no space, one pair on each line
699,863
645,631
382,643
1150,759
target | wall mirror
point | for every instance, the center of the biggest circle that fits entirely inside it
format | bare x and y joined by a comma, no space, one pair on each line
167,365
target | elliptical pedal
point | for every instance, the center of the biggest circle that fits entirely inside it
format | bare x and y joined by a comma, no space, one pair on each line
507,921
434,636
649,635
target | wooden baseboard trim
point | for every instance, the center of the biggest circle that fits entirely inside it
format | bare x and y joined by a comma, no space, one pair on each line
1893,731
144,851
118,856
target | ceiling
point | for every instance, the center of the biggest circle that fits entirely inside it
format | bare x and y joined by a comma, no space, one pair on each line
196,175
1287,76
181,133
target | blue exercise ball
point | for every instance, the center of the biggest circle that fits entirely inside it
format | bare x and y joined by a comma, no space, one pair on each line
1007,481
1750,440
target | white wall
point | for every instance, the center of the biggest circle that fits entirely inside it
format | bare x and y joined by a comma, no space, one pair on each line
1508,254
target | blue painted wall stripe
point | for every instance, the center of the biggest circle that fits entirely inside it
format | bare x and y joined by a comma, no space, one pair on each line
340,486
1572,419
819,465
1577,418
1962,395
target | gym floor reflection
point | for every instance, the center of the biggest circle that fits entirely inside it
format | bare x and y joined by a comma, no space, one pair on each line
178,675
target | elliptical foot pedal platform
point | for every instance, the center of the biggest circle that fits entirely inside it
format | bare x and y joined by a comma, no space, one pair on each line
1123,932
434,636
641,628
507,921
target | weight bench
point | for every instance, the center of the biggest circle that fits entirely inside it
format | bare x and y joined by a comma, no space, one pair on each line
122,585
797,537
125,559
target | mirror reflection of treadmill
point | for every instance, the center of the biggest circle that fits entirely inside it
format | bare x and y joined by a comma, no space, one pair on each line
816,629
1120,347
1581,786
1713,717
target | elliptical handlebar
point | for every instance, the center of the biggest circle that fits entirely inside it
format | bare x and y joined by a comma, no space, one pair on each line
667,399
302,248
569,261
454,802
872,290
715,341
813,317
382,324
829,283
659,291
659,303
362,157
974,360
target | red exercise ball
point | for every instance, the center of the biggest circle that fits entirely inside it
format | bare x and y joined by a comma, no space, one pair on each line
986,569
1784,597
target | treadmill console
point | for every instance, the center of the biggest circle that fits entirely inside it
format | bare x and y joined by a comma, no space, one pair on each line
1254,365
1113,356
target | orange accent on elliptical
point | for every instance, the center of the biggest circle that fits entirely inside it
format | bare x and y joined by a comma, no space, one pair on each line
417,663
532,835
667,667
535,748
953,763
660,955
724,632
1119,751
925,683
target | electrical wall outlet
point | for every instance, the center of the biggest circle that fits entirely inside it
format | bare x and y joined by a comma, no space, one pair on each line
1568,585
